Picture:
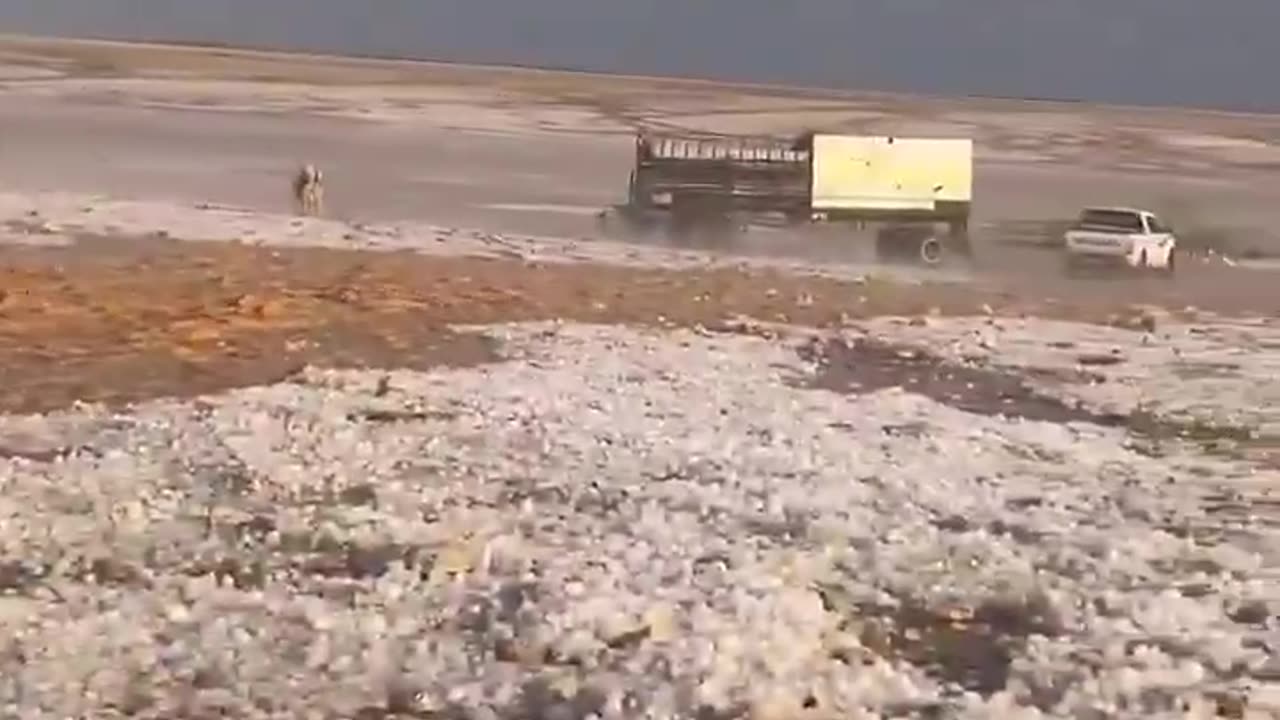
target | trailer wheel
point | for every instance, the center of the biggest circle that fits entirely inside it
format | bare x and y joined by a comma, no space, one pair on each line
931,250
907,243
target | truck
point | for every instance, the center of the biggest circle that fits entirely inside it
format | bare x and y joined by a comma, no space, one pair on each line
917,192
1122,237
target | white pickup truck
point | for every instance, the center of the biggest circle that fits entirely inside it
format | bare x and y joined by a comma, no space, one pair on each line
1120,237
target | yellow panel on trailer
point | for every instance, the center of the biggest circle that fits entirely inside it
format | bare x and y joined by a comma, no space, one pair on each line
890,173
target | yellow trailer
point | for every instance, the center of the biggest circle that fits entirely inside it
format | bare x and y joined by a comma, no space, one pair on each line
918,190
891,174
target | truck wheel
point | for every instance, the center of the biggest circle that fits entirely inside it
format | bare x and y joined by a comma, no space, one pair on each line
1143,262
1170,265
960,245
797,217
958,240
930,251
886,247
636,197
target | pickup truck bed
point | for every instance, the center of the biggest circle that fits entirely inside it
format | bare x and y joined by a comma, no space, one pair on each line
1120,236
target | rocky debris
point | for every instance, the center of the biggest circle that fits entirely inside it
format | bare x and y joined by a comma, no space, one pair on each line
866,365
1112,358
1206,382
615,523
1135,318
33,230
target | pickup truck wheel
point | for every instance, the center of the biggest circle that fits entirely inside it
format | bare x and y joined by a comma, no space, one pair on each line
1170,264
1143,262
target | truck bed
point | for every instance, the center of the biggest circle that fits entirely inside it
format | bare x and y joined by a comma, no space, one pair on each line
746,174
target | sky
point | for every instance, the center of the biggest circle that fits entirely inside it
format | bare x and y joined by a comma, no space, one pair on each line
1162,52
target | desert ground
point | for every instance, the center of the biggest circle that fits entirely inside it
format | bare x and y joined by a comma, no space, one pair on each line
455,450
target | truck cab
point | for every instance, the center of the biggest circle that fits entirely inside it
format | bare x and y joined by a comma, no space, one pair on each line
1120,236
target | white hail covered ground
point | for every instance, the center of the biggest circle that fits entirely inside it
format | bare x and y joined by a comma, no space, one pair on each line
617,522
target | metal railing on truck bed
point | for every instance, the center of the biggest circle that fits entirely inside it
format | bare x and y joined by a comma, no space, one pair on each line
732,149
748,174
